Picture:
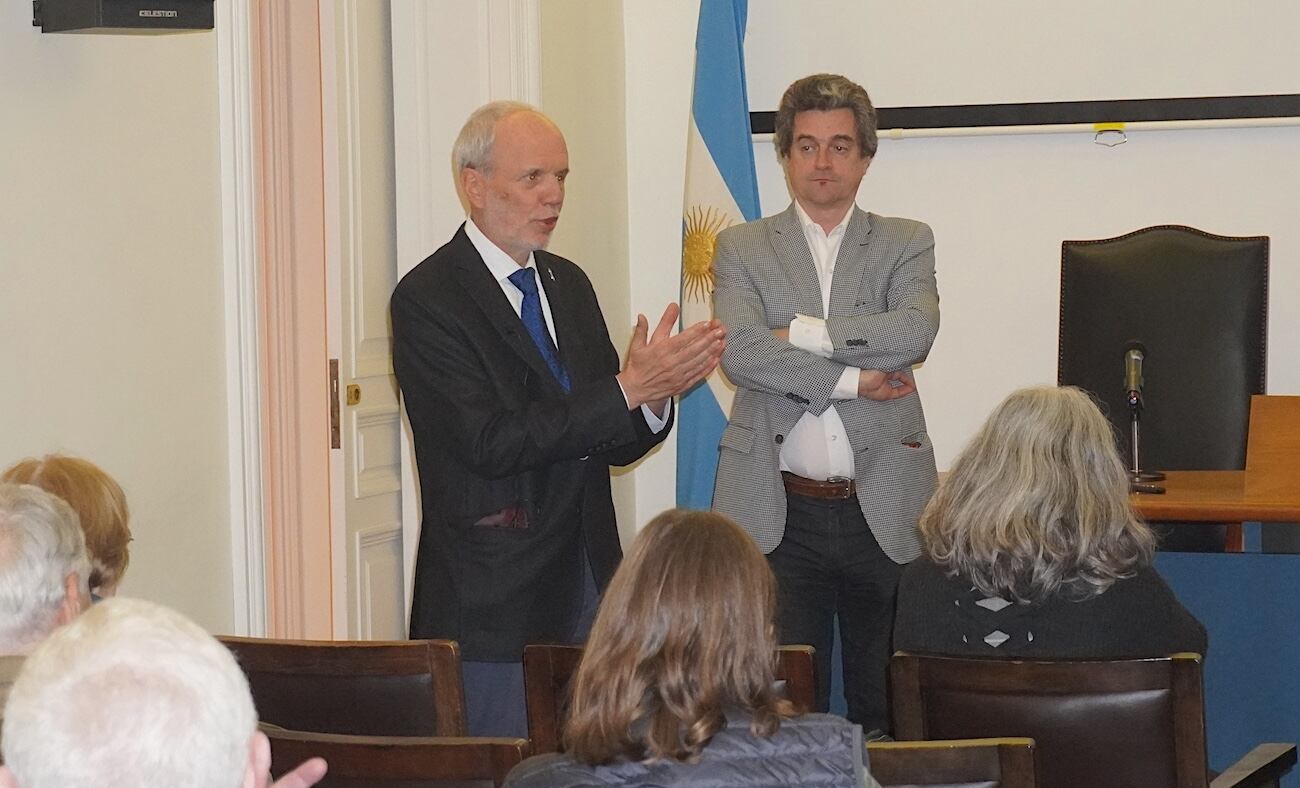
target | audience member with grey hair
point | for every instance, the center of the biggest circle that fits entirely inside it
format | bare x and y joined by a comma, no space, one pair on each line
43,573
135,694
44,569
1032,549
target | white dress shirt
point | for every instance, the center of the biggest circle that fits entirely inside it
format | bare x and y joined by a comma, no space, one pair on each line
501,266
818,446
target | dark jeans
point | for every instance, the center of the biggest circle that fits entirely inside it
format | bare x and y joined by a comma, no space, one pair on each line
829,564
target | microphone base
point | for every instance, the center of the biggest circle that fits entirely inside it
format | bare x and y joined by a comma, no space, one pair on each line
1146,487
1137,477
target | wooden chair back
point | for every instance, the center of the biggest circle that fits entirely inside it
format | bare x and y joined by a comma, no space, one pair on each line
963,763
398,761
1273,447
378,688
1121,722
549,672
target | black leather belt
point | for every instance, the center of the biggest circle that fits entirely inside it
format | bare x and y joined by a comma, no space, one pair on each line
838,488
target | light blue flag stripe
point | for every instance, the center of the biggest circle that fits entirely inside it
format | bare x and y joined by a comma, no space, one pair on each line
721,101
720,113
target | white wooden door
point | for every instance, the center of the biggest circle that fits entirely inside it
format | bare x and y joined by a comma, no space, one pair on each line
367,519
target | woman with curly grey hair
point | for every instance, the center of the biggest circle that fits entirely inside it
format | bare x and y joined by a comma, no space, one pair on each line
1032,549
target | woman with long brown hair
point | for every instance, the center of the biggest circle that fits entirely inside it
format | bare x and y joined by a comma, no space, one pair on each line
677,683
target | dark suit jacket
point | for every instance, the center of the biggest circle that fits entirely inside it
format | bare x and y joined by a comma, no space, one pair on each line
514,472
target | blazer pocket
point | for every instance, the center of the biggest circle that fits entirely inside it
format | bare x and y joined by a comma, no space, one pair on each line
737,438
494,506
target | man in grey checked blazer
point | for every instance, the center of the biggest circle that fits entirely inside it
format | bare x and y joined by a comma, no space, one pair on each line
826,460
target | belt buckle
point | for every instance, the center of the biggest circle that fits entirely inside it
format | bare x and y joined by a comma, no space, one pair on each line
841,480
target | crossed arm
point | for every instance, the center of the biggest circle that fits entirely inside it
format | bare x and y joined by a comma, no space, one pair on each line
880,346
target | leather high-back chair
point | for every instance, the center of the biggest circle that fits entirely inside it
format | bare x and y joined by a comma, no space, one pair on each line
1199,304
379,688
962,763
1138,722
398,761
549,671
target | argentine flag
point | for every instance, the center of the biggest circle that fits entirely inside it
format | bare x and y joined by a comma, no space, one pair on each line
721,190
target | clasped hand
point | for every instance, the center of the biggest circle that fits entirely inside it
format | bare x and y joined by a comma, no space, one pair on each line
663,364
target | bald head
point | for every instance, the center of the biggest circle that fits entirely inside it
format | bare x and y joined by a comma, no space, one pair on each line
512,163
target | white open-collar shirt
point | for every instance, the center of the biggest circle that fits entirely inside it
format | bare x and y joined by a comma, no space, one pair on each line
818,446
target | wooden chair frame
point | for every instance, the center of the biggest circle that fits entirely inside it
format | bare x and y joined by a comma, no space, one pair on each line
1006,762
406,758
437,659
915,677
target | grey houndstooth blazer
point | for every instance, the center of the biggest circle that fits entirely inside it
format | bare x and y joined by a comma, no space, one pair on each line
884,314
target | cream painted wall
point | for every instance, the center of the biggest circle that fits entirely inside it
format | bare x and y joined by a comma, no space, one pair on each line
659,45
611,82
583,91
999,205
111,322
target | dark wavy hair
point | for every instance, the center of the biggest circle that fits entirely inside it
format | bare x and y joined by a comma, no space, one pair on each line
685,629
826,92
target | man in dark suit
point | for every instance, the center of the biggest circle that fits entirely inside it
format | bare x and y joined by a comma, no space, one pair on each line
519,407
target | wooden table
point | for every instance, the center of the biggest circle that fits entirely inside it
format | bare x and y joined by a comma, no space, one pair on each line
1223,497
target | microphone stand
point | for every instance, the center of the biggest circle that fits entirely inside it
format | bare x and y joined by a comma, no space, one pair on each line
1140,480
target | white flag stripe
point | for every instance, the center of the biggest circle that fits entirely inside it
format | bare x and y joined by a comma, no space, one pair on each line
707,189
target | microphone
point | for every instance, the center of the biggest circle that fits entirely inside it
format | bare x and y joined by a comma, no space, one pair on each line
1134,354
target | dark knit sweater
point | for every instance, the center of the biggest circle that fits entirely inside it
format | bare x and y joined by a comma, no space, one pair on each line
1137,617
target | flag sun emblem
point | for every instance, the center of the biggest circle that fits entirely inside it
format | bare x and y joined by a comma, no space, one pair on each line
699,234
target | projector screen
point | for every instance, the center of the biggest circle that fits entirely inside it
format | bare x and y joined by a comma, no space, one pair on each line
920,53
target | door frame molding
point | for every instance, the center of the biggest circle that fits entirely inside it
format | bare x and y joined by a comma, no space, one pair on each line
269,76
243,336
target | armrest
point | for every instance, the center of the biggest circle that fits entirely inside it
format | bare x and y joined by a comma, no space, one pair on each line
1262,766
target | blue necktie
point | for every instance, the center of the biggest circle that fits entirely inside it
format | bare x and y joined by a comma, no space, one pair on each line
531,313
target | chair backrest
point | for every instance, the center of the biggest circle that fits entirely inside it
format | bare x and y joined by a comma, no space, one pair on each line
1120,722
960,763
378,688
1198,302
549,671
398,761
1274,446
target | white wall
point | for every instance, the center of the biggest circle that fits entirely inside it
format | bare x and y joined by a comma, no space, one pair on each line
617,78
999,205
924,52
111,324
582,90
659,43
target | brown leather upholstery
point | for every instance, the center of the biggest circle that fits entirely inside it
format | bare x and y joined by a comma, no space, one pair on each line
963,763
1199,303
1096,723
398,761
549,670
378,688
